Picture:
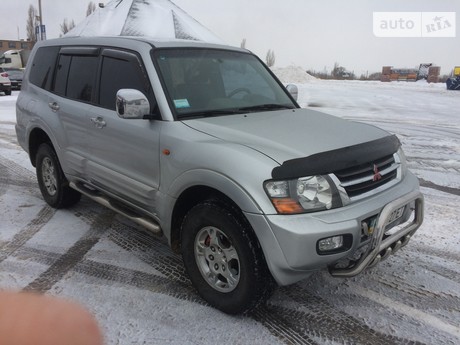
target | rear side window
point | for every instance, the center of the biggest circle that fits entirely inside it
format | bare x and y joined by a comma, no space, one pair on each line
120,71
82,77
62,73
41,71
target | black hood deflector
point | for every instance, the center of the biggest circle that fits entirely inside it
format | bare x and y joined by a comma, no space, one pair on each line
335,160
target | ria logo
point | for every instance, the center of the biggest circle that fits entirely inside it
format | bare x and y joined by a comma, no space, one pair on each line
414,24
377,175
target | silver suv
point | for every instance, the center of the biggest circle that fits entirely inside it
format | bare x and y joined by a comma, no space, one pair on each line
202,143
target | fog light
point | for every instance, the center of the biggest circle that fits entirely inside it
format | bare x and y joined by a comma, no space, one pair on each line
330,243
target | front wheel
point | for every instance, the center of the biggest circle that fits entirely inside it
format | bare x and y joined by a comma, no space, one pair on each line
51,180
223,258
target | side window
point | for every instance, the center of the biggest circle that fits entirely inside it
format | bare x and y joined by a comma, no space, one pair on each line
118,73
82,77
62,72
42,68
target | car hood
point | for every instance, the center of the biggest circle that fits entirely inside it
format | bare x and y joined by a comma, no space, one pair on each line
288,134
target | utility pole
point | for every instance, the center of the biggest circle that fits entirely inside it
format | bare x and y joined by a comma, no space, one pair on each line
40,12
41,29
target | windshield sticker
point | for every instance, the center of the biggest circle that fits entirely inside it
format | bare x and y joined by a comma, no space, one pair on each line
181,103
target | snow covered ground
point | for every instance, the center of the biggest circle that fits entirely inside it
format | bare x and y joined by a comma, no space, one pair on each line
138,290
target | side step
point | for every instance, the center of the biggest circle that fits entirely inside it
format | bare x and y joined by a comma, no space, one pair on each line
104,200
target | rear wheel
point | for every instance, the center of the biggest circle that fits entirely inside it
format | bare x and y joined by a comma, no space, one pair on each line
51,180
223,258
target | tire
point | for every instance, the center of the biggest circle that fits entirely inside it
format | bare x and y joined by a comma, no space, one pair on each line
223,258
8,92
51,180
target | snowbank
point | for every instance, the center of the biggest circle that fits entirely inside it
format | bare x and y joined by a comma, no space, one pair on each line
293,74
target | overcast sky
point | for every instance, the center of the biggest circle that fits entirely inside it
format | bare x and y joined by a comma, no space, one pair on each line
313,34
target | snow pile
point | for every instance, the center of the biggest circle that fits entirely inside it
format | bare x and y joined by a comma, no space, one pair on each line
153,18
293,74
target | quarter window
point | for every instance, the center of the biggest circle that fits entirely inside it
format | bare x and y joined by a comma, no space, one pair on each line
41,71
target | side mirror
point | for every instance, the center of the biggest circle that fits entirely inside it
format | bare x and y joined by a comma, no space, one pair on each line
132,104
293,90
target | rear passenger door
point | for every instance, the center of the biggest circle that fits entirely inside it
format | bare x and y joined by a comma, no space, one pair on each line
124,156
73,91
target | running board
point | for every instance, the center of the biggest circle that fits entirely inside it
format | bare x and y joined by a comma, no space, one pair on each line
104,200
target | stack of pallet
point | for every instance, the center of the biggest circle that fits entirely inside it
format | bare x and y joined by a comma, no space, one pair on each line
386,73
433,74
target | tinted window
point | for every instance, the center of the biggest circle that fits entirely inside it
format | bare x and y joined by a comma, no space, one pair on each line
120,74
82,76
41,70
62,72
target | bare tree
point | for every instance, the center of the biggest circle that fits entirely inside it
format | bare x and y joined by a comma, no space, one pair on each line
270,58
67,26
91,8
243,43
31,23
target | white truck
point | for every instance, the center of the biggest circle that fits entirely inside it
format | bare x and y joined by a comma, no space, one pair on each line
14,58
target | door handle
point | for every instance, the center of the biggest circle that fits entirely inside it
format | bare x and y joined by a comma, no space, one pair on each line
54,106
98,122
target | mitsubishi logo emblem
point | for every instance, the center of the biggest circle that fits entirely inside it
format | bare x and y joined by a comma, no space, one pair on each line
377,175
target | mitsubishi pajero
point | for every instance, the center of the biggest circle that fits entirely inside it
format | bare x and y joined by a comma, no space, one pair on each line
201,143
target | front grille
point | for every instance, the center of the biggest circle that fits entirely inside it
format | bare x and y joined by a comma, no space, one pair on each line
363,178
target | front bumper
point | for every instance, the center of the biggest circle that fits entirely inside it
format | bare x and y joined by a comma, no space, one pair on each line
5,86
381,246
290,242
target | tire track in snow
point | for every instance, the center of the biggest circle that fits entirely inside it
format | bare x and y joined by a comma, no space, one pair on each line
320,320
414,313
417,296
74,254
150,249
429,184
17,170
278,321
4,179
12,174
116,274
35,225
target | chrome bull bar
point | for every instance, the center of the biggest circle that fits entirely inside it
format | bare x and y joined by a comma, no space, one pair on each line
381,248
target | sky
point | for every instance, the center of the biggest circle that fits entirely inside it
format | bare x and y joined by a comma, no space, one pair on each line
312,34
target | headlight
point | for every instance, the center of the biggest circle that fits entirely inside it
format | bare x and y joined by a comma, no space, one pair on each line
305,194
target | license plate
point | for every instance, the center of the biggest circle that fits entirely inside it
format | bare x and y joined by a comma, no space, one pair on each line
396,214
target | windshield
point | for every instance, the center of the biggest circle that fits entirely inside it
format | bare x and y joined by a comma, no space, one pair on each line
207,82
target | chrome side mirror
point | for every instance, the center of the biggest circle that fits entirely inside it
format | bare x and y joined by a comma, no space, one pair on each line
293,90
132,104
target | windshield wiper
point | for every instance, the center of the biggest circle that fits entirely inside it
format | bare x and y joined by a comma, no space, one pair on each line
264,107
210,113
